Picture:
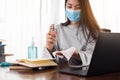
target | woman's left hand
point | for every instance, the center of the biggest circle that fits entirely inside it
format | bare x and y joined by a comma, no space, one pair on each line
76,54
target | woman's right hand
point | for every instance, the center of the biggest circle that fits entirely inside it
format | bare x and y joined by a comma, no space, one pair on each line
51,38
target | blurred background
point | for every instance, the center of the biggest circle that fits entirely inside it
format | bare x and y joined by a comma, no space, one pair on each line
20,20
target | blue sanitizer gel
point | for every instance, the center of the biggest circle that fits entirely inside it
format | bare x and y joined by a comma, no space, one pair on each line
32,51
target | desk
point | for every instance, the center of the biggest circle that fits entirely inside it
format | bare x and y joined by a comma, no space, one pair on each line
49,74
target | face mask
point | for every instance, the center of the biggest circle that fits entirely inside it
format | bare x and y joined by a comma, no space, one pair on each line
73,15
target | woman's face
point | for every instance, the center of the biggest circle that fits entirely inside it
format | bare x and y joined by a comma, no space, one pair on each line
73,4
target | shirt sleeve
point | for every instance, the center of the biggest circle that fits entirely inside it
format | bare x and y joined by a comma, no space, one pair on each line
86,52
45,53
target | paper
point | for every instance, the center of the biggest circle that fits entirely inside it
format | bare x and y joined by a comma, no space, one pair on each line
67,53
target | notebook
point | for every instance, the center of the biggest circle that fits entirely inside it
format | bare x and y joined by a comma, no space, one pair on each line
34,63
105,58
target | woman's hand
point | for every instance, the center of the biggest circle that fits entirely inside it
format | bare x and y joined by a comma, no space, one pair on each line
51,38
59,53
76,54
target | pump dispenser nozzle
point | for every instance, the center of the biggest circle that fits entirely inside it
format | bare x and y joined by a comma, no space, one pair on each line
32,42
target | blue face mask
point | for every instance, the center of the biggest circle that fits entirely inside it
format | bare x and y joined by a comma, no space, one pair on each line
73,15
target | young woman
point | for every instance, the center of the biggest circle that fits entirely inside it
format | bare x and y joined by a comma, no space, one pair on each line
79,31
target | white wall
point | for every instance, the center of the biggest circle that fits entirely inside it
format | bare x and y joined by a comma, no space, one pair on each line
107,13
20,20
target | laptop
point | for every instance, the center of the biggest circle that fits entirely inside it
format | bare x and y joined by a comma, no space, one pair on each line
105,58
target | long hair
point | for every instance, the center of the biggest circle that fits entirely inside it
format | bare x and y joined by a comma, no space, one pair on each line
87,21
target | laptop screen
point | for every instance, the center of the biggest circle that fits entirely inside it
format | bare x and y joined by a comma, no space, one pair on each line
106,55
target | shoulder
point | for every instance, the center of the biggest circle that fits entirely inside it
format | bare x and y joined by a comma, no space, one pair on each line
59,27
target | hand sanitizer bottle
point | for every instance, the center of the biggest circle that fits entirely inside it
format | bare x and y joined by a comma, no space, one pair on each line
32,50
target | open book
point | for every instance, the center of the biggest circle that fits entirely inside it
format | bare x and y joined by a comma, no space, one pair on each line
34,63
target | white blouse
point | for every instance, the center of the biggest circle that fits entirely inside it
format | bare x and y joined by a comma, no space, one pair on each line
72,36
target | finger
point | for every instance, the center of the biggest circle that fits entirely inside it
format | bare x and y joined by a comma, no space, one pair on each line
50,40
52,35
59,53
48,35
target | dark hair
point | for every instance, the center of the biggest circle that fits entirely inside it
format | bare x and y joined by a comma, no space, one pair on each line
87,21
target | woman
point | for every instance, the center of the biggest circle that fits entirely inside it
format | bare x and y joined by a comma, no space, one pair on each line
79,31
